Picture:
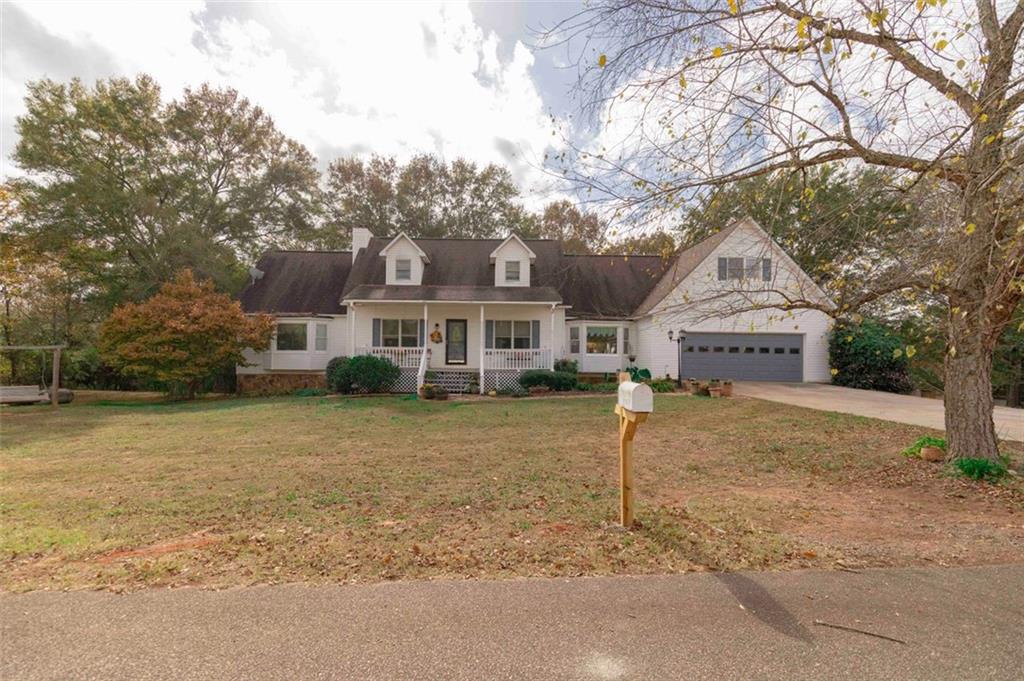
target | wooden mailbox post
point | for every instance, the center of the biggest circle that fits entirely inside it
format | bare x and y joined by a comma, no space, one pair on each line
636,401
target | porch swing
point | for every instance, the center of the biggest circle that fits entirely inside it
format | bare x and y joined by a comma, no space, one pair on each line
41,393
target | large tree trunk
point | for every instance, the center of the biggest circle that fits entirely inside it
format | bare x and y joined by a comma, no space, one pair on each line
970,430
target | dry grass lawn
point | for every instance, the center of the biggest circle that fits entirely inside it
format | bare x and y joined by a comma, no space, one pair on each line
124,494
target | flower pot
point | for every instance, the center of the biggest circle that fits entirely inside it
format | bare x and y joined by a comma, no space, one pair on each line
727,389
933,454
714,391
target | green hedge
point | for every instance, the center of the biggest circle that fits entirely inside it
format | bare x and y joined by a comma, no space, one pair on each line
555,380
363,373
870,356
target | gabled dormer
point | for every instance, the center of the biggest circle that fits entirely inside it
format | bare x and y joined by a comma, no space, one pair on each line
405,261
512,259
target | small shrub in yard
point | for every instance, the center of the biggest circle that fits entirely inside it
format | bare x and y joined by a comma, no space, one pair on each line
662,386
981,469
922,442
363,373
569,366
555,380
514,392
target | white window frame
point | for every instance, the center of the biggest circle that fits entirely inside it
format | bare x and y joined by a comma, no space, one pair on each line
399,334
515,328
602,354
574,342
403,266
513,267
304,325
318,337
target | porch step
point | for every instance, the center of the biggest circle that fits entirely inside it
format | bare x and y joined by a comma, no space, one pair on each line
454,381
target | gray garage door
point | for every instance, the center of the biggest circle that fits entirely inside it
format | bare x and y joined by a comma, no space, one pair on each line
744,356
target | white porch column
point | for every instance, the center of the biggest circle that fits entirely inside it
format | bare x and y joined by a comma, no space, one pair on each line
551,343
352,329
483,337
426,333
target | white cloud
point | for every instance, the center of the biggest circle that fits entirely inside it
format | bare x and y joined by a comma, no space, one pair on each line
347,78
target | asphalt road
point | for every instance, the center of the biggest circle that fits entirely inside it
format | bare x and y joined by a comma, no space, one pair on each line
963,623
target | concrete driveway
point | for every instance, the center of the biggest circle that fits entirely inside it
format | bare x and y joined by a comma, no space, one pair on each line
917,411
950,624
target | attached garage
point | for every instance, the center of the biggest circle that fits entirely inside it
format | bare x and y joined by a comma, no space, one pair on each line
744,356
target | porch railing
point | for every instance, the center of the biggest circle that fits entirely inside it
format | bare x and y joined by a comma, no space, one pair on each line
537,358
405,358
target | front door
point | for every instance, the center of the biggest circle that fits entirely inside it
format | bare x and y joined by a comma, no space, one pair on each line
455,348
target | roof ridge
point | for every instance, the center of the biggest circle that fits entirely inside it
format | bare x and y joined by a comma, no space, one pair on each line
303,250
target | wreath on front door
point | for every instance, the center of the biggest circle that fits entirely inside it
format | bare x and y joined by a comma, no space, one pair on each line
435,335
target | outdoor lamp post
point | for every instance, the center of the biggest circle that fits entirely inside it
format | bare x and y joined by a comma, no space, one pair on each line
679,339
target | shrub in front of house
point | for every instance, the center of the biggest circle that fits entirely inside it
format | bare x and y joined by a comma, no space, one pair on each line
569,366
869,356
555,380
363,373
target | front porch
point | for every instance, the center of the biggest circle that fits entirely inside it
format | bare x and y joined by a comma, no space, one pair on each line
500,368
463,346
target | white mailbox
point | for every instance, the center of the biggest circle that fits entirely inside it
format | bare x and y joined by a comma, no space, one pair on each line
636,397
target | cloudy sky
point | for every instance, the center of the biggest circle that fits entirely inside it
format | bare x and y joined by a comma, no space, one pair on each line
453,79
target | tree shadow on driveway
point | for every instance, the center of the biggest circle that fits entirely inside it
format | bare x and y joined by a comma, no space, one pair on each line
758,601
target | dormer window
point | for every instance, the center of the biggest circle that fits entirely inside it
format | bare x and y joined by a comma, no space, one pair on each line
403,269
512,270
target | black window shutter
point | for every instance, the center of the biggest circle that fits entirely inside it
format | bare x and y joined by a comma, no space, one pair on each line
423,333
766,269
535,333
376,332
723,269
489,333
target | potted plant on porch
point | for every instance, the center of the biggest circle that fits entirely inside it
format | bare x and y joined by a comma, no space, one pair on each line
727,388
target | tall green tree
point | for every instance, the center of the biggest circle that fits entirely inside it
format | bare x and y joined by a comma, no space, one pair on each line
425,197
563,221
129,189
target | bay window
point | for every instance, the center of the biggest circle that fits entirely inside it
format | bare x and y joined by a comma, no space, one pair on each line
602,340
291,336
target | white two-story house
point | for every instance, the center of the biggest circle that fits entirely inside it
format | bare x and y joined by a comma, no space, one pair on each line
477,312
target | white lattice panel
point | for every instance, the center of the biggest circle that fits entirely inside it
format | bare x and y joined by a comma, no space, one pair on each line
406,382
501,380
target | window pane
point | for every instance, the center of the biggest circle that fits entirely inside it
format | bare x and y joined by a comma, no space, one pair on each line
522,329
763,351
733,349
748,350
735,268
503,334
403,269
291,336
512,270
410,333
702,348
574,340
794,351
321,337
689,348
601,340
780,351
719,348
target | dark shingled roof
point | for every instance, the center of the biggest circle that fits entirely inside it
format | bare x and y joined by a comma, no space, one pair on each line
299,282
609,286
455,262
492,293
594,286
